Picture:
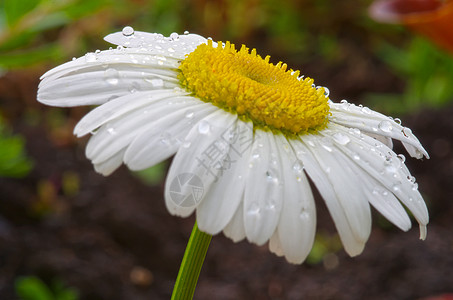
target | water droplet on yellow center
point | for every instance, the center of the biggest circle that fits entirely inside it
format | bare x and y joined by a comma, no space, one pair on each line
240,82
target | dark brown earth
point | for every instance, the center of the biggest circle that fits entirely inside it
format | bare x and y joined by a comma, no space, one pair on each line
112,238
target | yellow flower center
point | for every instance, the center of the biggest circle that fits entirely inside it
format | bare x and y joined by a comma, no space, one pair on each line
243,83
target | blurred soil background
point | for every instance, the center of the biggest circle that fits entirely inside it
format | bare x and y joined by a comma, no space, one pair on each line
69,233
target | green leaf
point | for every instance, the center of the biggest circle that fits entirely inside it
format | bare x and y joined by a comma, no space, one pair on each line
15,10
32,288
153,175
13,160
27,57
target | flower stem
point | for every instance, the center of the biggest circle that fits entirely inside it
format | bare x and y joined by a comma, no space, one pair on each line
191,264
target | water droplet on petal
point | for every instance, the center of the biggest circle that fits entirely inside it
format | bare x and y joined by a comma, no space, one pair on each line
366,110
204,127
128,31
111,131
326,92
397,121
355,131
407,132
298,167
402,158
111,76
189,114
271,205
396,188
186,32
154,80
254,209
385,126
174,36
326,143
304,215
90,57
165,138
341,138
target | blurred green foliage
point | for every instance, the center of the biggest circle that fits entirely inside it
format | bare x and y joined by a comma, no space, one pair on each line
13,160
324,245
427,71
153,175
33,288
24,25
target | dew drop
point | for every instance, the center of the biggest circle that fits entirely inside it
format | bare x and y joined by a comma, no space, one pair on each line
402,158
154,80
111,76
269,176
186,32
397,121
396,188
189,114
165,138
174,36
304,215
355,131
204,127
385,126
271,205
128,31
341,138
90,57
326,92
298,167
366,110
254,209
111,131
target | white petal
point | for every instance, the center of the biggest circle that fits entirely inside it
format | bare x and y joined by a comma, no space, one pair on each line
386,167
225,194
378,195
117,134
347,213
275,245
156,43
113,74
196,159
367,120
111,164
297,226
235,229
163,137
119,107
263,189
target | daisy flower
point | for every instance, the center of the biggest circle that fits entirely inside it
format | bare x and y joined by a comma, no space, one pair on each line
247,135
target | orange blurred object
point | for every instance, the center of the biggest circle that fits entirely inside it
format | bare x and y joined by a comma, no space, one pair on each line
430,18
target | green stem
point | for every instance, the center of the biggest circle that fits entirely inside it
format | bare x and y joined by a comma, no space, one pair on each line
191,264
